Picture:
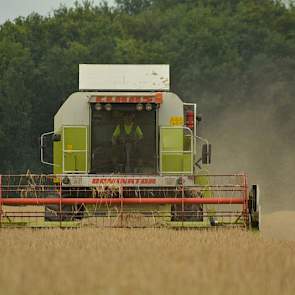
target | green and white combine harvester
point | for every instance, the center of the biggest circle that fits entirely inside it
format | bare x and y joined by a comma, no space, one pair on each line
127,153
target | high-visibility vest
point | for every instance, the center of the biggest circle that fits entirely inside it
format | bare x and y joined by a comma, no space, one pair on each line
125,132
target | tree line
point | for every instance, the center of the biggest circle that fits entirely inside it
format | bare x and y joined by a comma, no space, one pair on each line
222,53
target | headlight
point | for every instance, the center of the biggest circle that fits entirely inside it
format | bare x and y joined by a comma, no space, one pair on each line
139,107
148,107
98,106
108,107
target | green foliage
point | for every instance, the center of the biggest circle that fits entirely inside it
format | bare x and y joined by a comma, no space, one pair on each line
133,7
222,52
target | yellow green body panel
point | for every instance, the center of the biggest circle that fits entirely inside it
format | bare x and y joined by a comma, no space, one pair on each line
57,155
71,155
176,151
203,180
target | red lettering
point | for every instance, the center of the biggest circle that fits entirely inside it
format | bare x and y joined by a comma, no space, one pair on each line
124,181
147,99
152,181
134,99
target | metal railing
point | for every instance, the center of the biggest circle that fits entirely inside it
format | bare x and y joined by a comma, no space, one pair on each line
44,201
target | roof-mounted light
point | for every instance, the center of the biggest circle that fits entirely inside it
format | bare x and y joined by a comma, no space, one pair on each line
148,107
108,107
139,107
98,106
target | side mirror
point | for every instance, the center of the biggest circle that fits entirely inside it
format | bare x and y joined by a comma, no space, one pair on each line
206,153
199,118
56,137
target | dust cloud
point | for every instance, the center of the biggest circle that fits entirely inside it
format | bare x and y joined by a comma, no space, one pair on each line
251,139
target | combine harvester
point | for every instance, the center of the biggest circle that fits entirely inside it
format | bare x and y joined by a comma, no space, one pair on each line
127,153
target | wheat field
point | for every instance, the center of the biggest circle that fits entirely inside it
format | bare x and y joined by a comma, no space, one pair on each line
144,261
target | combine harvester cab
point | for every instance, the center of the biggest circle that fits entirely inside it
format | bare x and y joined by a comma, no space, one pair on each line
127,153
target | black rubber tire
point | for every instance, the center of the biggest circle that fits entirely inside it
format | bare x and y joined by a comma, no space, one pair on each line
52,213
68,212
253,208
189,212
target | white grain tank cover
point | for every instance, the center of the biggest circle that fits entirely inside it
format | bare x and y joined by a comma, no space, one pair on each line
124,77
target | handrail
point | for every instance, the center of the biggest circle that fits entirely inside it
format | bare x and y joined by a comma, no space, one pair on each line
42,148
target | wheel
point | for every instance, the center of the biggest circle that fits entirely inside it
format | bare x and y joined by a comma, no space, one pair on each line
254,208
64,212
187,212
52,213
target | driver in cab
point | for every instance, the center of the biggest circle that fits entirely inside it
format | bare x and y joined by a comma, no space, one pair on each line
128,131
126,136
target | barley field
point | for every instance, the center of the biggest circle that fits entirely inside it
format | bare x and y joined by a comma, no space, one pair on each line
144,261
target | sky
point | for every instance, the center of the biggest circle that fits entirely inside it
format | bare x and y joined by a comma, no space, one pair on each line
10,9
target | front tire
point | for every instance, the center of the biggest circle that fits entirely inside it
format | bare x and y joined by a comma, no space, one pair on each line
254,208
